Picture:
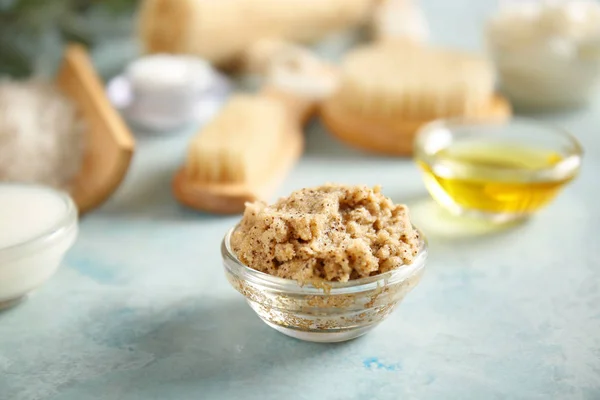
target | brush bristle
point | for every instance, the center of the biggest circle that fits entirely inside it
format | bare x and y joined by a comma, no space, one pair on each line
399,79
235,147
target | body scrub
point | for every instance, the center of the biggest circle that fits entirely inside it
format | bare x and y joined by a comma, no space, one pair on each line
325,264
331,232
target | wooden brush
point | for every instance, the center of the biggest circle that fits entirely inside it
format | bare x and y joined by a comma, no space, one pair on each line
244,152
109,143
389,89
220,31
255,140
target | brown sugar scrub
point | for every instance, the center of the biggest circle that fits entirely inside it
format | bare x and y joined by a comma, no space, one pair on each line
330,232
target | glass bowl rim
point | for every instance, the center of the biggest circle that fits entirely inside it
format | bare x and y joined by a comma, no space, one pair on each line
569,164
61,228
290,286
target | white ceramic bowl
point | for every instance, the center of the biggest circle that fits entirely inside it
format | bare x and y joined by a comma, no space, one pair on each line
31,256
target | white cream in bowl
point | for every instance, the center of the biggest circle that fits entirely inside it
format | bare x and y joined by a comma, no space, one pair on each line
37,227
547,53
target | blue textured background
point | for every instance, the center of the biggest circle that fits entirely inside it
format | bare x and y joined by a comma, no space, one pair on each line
142,310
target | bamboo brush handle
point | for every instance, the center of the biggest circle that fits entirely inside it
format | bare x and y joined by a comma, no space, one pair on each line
257,58
294,76
300,109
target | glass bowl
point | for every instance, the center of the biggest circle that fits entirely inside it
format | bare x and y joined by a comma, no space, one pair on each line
334,312
499,171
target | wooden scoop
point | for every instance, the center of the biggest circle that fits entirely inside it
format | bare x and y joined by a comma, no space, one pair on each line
109,143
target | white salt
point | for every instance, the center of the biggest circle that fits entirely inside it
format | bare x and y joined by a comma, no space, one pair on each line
41,134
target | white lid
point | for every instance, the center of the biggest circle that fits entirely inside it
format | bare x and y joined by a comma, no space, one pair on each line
167,71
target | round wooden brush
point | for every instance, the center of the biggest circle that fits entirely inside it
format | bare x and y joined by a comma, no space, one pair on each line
387,90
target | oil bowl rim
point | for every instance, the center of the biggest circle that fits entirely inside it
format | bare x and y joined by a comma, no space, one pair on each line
567,167
289,286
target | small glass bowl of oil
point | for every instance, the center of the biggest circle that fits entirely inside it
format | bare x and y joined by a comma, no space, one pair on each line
499,171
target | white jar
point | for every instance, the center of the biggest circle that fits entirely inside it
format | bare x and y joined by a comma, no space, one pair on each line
37,227
165,89
547,53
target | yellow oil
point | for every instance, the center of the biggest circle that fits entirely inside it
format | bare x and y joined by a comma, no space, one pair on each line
493,178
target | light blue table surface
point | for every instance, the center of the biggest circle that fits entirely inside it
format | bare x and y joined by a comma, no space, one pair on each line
141,309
